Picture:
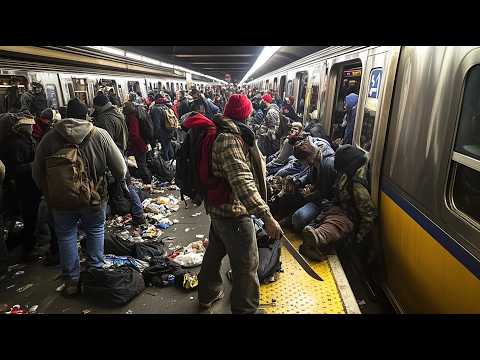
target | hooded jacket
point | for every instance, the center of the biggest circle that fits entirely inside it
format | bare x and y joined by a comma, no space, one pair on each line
109,118
100,151
272,119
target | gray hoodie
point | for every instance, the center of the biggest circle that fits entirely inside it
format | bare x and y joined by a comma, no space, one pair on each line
100,150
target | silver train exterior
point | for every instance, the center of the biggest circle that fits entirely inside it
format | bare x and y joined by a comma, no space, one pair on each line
416,108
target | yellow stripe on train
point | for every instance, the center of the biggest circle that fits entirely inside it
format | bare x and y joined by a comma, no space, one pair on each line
422,275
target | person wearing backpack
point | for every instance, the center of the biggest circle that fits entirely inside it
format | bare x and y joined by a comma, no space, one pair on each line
18,153
165,124
137,144
3,240
107,117
76,146
237,161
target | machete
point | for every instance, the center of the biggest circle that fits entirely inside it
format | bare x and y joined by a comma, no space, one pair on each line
299,258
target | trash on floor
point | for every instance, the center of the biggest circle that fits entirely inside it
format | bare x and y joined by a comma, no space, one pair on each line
24,288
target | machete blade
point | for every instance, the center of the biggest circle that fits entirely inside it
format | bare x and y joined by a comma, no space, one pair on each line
300,259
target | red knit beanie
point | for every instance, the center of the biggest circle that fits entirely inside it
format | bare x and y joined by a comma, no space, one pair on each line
238,107
267,98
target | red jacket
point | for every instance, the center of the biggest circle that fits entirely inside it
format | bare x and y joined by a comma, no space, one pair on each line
136,144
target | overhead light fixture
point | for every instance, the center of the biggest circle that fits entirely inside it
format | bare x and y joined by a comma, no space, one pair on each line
130,55
266,54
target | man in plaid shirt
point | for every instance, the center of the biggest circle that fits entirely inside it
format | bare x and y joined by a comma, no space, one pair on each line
236,159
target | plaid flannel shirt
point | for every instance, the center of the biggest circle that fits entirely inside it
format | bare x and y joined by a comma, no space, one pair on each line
231,161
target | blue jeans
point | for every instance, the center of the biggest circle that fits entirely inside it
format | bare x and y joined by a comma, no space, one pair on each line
66,228
292,168
137,208
303,216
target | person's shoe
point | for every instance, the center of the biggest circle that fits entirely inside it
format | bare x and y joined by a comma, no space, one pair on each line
207,305
310,237
71,288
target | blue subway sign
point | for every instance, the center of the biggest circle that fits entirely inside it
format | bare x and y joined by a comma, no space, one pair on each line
374,83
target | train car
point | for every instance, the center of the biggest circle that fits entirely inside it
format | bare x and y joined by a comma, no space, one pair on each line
65,80
418,120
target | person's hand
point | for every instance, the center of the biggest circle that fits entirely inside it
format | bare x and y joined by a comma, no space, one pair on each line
307,190
272,228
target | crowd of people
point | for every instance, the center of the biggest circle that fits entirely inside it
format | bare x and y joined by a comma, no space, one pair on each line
63,172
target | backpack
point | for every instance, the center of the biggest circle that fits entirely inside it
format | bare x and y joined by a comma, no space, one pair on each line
193,156
157,274
114,285
171,121
115,245
119,199
68,185
269,252
146,124
162,169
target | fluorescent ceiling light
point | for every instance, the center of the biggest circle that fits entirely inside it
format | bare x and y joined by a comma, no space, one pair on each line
266,54
119,52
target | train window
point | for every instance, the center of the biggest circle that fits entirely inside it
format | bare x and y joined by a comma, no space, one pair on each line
465,192
80,88
302,78
275,84
281,89
313,104
289,88
348,84
52,96
370,111
11,89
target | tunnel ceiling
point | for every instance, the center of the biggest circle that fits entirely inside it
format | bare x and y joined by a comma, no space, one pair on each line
218,61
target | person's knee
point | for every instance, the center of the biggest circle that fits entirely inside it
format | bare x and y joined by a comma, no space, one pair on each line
298,220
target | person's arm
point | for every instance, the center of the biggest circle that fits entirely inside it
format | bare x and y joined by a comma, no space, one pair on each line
136,141
115,161
365,209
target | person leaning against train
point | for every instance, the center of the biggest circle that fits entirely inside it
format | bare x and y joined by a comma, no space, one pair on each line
236,159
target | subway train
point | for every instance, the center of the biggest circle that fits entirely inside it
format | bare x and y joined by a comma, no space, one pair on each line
418,120
64,75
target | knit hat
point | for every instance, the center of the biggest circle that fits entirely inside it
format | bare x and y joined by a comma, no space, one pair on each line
267,98
238,107
76,109
348,159
100,100
47,114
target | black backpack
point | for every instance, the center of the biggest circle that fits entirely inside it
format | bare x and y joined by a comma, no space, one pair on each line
161,169
115,285
186,176
119,199
269,252
146,124
156,274
115,245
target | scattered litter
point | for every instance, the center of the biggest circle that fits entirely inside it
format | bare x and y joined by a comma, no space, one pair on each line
33,309
199,236
60,288
4,308
191,298
129,312
175,221
24,288
150,293
17,310
362,303
16,267
18,273
189,259
9,287
86,311
187,229
196,214
64,310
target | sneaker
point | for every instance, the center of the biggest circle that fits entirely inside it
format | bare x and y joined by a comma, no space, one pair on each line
210,303
71,288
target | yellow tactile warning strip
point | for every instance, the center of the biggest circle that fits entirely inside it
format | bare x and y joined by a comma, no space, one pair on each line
295,292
